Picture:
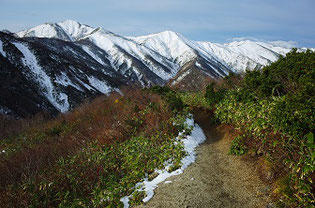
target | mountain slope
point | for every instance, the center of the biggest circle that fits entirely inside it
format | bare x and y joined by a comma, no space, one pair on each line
60,74
64,63
181,51
236,56
132,60
68,30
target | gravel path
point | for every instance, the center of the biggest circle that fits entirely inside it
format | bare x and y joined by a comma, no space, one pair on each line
216,179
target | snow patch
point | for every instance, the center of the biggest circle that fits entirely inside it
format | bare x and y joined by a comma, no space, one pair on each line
125,201
181,77
190,143
59,100
94,56
99,85
4,110
1,49
65,81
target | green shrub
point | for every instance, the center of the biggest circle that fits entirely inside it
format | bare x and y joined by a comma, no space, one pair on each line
194,99
275,109
237,146
214,96
172,97
161,90
288,74
99,176
94,155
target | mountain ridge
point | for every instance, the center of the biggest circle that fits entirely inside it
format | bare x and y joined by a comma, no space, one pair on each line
67,62
140,39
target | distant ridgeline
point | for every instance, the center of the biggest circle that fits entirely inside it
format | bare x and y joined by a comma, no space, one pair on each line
55,66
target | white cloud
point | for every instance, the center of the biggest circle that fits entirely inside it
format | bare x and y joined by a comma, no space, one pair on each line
280,43
284,44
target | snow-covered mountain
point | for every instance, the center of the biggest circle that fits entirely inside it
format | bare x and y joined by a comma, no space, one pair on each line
54,66
237,55
129,58
68,30
50,75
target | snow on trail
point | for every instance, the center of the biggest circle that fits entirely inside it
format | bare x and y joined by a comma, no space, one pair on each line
190,143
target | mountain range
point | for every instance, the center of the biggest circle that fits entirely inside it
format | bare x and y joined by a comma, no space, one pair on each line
55,66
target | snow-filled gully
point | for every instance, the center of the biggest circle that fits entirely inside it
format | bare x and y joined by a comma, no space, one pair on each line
190,143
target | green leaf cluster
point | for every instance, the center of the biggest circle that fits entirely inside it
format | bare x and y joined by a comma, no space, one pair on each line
275,109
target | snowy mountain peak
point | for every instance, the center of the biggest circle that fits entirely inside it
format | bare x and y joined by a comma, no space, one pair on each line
75,29
46,30
236,56
68,30
169,44
70,22
260,52
162,35
82,61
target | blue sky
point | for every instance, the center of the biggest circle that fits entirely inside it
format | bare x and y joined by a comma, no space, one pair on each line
204,20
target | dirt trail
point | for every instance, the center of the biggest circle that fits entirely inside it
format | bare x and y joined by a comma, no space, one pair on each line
216,179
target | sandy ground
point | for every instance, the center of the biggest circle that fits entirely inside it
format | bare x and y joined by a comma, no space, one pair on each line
216,179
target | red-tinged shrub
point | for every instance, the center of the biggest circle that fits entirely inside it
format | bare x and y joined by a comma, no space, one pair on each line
106,119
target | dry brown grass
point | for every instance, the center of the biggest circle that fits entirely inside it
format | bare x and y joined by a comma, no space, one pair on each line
10,127
105,119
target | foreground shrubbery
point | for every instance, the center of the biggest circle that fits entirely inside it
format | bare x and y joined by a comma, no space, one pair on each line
96,154
93,156
274,110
